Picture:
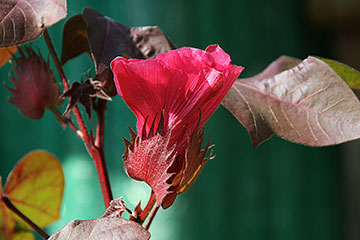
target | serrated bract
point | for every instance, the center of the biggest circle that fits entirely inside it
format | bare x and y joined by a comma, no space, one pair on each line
35,87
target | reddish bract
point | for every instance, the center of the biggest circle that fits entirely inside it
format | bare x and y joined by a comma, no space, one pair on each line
36,88
179,84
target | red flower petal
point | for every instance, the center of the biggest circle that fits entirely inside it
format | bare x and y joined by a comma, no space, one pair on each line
181,81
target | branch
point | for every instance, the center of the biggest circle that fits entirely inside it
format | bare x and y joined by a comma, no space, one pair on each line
152,215
94,151
150,204
12,207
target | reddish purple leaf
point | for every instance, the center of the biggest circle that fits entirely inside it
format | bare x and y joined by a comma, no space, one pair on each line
307,104
107,38
22,21
151,40
74,39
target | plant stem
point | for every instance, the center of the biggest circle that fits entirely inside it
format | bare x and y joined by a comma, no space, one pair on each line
14,209
94,151
56,59
65,121
150,204
99,144
151,216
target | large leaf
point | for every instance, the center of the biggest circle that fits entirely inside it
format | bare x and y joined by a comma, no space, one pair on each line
24,20
308,104
74,39
35,187
108,228
109,39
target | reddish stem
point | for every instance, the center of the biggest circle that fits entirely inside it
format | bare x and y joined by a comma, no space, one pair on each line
14,209
99,144
151,216
95,152
56,59
150,204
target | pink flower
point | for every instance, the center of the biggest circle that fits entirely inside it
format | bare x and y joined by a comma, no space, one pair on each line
181,81
178,85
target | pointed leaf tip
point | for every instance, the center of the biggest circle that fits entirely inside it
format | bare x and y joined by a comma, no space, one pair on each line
23,21
308,104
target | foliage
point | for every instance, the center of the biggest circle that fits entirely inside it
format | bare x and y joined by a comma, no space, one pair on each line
172,92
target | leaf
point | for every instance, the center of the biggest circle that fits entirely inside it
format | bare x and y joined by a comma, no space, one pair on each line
23,236
151,40
348,74
74,39
84,93
35,186
7,221
108,38
106,228
22,21
279,65
6,54
307,104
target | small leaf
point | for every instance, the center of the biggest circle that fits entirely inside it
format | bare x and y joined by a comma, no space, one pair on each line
107,228
307,104
108,38
74,39
116,208
84,93
6,54
151,40
348,74
35,186
22,21
35,86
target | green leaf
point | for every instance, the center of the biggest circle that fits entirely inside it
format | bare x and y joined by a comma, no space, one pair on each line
35,186
348,74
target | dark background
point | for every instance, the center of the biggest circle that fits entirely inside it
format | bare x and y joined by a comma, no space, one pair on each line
278,191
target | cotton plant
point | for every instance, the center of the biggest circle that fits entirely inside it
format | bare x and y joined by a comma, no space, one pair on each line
172,92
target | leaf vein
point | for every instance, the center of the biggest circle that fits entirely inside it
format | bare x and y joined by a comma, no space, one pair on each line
250,110
321,128
310,128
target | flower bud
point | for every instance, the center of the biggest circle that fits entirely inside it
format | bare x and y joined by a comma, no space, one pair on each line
35,87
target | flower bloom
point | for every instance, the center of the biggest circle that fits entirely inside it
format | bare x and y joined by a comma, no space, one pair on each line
36,88
176,85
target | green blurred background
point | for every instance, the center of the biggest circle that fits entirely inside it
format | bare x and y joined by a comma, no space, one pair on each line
278,191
